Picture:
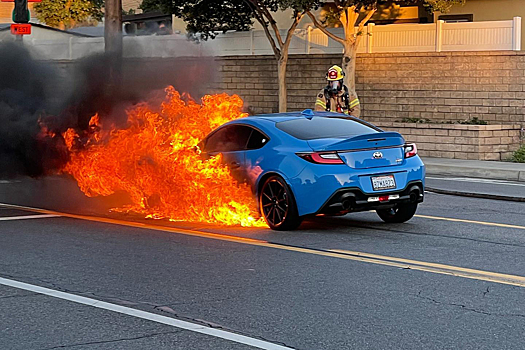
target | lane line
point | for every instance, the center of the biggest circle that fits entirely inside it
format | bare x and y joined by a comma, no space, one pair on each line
441,268
471,221
26,217
481,275
193,327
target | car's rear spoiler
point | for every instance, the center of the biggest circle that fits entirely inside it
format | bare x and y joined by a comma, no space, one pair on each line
365,141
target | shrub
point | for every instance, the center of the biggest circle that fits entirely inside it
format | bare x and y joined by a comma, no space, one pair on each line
474,121
519,155
415,120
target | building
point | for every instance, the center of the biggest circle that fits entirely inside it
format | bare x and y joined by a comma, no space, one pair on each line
473,10
133,5
41,32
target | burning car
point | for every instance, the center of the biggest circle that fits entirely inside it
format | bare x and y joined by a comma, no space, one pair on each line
311,163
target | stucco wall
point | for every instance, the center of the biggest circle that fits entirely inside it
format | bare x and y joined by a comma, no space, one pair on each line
437,86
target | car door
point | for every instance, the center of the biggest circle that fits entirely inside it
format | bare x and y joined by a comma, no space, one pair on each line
231,141
254,155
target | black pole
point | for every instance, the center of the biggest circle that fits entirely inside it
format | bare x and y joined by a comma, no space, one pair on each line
113,43
113,27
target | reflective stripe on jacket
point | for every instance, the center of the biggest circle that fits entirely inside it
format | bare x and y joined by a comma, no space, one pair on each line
335,102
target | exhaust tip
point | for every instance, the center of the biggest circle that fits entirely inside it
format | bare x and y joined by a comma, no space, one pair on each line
414,195
346,204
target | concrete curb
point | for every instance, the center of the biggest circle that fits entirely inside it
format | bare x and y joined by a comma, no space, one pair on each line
475,195
487,170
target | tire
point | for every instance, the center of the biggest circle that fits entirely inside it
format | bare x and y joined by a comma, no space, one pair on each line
398,214
277,205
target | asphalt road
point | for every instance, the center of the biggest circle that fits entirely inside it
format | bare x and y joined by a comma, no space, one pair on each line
348,282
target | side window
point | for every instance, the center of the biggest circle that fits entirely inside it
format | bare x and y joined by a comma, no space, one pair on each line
228,139
257,140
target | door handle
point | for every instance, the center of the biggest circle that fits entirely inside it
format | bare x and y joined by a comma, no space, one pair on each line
235,165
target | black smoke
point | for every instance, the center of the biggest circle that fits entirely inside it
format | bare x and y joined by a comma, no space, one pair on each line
62,95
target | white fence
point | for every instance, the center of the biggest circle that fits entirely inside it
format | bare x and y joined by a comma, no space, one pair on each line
140,46
433,37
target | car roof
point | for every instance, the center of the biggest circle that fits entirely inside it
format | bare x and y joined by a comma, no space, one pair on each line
279,117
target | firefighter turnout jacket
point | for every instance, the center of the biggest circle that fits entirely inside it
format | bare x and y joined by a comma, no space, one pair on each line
342,102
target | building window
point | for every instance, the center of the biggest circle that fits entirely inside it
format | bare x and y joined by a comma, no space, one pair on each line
456,18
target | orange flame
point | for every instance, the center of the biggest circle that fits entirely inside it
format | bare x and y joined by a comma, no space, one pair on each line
154,161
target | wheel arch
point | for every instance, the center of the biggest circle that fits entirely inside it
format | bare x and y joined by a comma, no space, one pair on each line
263,178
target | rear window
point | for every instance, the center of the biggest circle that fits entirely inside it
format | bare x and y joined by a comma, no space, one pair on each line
322,127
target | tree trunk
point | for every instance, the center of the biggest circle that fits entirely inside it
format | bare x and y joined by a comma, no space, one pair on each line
349,58
281,74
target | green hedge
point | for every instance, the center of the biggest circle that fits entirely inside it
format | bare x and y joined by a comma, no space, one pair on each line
519,155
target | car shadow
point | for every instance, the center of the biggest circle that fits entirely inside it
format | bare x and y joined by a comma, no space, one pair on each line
343,224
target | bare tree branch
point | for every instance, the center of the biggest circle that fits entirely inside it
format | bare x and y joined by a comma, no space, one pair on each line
367,18
297,18
263,12
264,24
324,30
363,22
273,24
276,50
351,17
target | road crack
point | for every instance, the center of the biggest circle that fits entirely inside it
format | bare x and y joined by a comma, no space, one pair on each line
159,308
112,341
466,308
20,296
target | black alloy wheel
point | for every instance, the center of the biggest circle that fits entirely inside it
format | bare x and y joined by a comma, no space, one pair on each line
398,214
277,205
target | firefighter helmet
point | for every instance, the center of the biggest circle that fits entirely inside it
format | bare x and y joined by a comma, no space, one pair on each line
335,77
335,73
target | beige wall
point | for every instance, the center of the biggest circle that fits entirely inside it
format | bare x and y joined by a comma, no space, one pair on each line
493,10
442,87
131,4
6,11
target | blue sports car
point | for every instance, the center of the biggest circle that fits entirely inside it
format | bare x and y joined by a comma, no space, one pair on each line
311,163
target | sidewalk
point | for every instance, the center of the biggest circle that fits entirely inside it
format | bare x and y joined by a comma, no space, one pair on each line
475,168
473,178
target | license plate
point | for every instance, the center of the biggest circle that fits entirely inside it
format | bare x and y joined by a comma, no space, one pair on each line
383,182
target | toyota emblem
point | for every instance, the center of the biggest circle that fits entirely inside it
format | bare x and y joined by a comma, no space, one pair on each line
377,155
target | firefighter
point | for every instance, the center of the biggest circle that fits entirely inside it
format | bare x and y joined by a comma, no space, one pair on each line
335,97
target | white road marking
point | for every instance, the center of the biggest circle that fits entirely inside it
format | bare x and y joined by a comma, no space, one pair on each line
25,217
475,180
218,333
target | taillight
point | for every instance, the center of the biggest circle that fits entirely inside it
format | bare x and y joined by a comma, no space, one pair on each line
410,150
321,157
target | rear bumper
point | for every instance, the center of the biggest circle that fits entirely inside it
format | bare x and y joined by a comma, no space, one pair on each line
317,185
346,200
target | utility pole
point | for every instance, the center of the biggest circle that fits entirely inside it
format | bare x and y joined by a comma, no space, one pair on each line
113,42
113,27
